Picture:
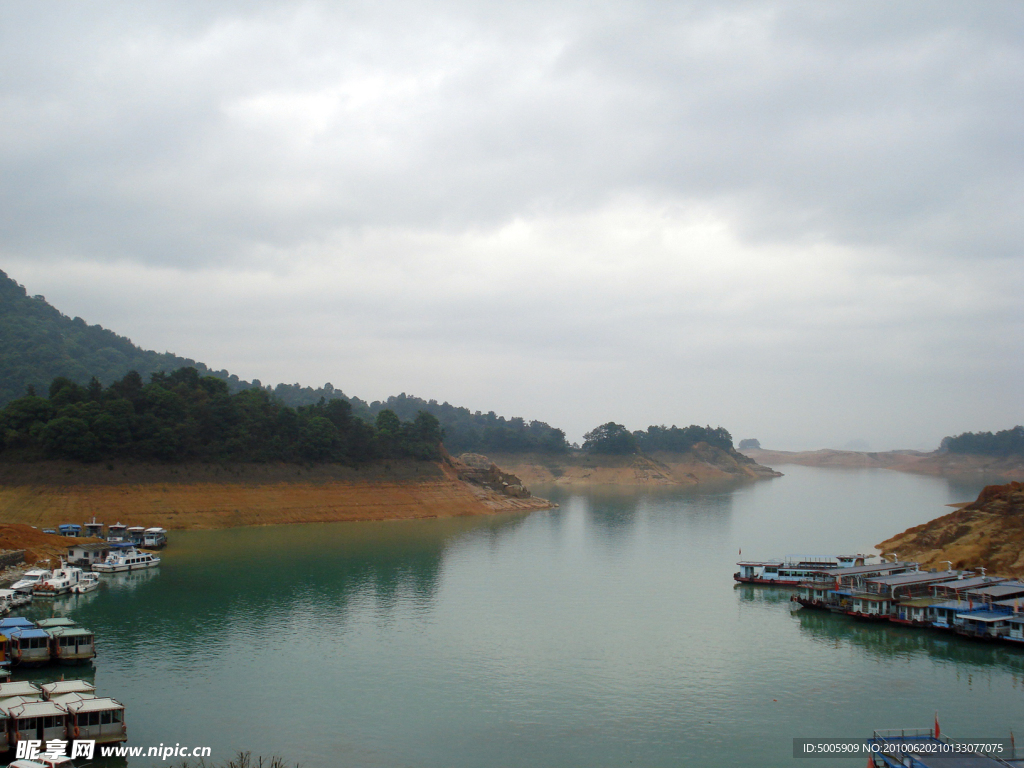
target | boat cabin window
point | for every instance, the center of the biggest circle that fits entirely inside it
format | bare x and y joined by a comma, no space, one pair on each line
26,723
53,721
771,569
105,717
117,715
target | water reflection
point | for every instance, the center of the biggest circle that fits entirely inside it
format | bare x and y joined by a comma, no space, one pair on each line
887,641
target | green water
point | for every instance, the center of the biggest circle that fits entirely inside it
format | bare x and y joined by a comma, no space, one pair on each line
607,632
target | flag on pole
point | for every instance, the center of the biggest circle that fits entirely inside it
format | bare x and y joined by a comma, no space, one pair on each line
936,725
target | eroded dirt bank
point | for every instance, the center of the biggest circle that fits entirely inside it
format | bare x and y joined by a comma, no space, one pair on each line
703,464
46,494
987,533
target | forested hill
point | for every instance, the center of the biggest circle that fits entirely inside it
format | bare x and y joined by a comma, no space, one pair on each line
39,344
1007,442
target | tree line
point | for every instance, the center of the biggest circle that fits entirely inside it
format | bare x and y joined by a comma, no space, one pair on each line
1007,442
612,438
184,415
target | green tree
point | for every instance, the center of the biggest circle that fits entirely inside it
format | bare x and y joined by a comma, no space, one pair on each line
610,438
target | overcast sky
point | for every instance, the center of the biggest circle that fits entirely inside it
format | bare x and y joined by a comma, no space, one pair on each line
801,221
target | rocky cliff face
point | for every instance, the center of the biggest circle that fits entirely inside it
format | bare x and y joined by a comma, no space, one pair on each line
988,533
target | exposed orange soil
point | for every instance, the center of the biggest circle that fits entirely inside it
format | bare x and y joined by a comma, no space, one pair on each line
988,533
37,545
701,465
202,496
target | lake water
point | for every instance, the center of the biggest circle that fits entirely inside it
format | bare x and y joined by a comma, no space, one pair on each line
607,632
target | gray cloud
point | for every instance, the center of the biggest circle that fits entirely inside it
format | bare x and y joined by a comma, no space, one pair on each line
701,208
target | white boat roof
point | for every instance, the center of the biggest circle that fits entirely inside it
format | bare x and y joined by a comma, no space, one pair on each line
19,688
94,705
1006,589
67,686
916,577
69,698
987,617
35,709
7,593
136,528
974,581
156,530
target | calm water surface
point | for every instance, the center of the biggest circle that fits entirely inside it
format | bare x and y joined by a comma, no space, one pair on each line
607,632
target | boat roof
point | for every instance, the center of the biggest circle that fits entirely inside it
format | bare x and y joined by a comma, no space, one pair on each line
67,686
7,592
94,705
71,632
66,699
56,621
974,581
90,546
15,621
6,705
136,528
156,530
1006,589
26,632
857,570
986,616
35,709
19,688
922,602
917,577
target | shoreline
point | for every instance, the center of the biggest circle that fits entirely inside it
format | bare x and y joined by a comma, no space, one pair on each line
182,497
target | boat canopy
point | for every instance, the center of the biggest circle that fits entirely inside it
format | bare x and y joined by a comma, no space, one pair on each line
13,622
67,686
56,621
66,699
94,705
35,709
20,688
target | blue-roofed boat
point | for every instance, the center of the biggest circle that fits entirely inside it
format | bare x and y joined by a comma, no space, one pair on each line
70,529
28,646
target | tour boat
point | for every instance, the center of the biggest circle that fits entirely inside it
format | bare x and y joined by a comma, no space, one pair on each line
135,535
72,645
117,532
29,645
128,560
93,529
793,569
14,598
97,719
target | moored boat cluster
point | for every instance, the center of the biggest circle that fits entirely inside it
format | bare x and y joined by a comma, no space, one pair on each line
64,710
970,604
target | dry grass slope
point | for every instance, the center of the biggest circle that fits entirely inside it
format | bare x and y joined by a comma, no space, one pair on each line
987,533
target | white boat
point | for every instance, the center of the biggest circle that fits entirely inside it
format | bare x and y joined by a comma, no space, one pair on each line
127,560
63,581
87,583
117,533
29,579
12,598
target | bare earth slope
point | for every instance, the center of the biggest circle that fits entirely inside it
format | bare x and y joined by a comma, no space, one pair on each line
940,464
987,533
702,464
46,494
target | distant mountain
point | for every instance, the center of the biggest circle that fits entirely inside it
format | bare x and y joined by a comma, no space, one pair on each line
38,343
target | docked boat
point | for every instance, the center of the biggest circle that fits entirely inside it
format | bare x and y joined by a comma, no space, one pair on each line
88,583
93,529
29,579
793,570
117,533
28,646
70,529
136,534
128,560
154,538
72,645
14,599
61,582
